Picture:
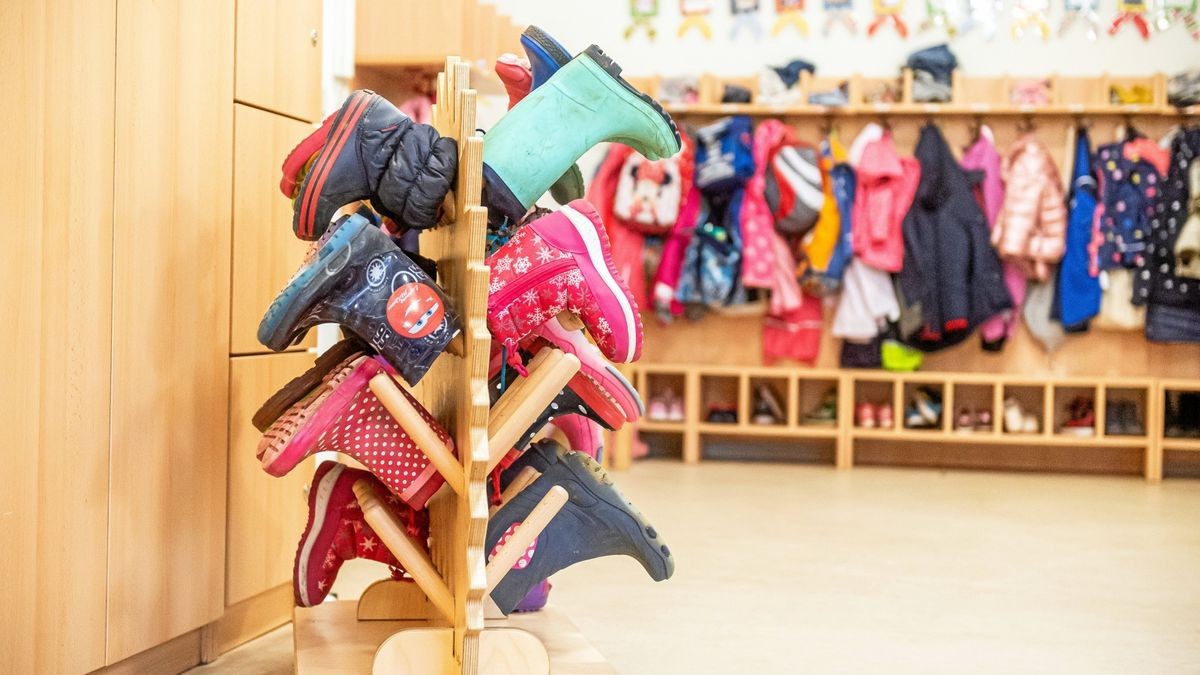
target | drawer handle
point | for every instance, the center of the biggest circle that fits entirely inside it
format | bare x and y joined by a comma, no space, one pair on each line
313,35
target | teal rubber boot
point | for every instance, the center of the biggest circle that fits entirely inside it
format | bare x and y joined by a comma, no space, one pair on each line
586,102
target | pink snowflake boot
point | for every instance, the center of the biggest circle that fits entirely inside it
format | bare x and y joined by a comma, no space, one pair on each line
343,415
562,262
337,532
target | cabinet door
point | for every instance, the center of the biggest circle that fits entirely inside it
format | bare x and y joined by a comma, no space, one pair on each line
265,251
170,329
266,514
57,69
378,22
279,56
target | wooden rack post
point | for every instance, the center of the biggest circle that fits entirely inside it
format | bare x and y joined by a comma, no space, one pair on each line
442,615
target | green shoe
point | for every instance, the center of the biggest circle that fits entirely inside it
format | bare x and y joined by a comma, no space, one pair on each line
899,357
586,102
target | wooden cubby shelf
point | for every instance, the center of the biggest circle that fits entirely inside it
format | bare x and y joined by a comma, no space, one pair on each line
1045,398
1068,96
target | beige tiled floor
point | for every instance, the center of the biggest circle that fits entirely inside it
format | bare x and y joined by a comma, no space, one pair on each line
784,569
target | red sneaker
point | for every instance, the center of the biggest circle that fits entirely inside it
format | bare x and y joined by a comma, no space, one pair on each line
337,532
343,415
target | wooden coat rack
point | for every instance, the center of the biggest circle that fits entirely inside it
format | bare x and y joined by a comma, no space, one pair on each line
435,624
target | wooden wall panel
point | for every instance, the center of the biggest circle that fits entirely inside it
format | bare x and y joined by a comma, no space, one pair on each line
265,252
279,56
57,276
430,31
171,258
266,514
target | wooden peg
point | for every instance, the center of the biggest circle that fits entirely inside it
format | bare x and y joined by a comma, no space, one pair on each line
522,402
413,557
418,430
522,481
526,532
457,345
569,321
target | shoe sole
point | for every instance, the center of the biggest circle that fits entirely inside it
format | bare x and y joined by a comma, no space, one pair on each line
598,247
318,505
614,70
309,283
295,161
595,367
301,385
281,452
342,129
549,46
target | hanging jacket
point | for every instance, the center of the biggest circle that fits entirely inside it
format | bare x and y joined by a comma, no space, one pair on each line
1130,179
1174,300
983,158
670,264
1078,288
758,225
950,269
796,335
843,180
867,303
1032,224
886,183
817,248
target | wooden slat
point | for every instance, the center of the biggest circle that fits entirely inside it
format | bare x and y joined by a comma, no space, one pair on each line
171,253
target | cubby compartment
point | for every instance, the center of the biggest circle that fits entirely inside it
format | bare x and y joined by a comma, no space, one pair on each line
1075,410
719,399
923,406
817,403
1023,409
1181,416
662,394
874,402
1125,411
770,400
974,409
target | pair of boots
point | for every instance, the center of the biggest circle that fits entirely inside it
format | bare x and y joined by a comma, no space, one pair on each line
368,149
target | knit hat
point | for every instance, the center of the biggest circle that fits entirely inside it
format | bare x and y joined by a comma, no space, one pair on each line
794,189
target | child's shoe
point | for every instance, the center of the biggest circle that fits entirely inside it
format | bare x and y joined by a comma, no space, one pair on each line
332,360
536,598
582,433
568,402
343,415
586,102
865,416
515,76
658,410
1082,420
357,277
596,521
546,55
562,262
965,422
825,414
884,415
370,150
337,532
593,366
983,420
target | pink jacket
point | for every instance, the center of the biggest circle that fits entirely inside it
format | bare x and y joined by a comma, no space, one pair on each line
763,266
886,185
1032,225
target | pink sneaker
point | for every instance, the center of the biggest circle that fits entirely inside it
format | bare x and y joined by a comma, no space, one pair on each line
342,415
605,379
515,75
562,262
337,532
583,435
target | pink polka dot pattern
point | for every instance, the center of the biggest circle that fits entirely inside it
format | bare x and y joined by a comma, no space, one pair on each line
366,431
526,557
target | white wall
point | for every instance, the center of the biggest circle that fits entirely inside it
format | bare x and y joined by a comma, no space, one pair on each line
577,23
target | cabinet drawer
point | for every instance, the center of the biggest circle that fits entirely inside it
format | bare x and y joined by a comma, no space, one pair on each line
266,514
265,252
279,56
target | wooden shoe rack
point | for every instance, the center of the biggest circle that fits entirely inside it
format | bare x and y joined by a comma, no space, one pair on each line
800,390
438,623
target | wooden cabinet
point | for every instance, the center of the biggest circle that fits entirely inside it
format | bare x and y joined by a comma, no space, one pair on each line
279,56
170,319
265,252
57,70
266,514
384,31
